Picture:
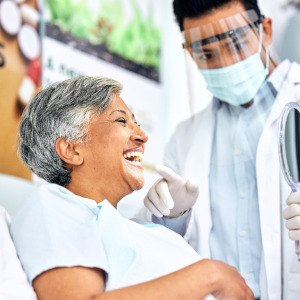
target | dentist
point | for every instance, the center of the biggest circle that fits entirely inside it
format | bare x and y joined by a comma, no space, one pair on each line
230,151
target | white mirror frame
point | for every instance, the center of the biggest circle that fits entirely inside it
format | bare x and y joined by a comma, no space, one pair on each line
282,150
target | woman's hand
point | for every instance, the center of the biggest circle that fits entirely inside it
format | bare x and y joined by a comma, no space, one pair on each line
227,282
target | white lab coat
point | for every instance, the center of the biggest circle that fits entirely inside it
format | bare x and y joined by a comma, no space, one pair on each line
188,153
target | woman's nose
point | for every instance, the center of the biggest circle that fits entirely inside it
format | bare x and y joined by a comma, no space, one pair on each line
139,135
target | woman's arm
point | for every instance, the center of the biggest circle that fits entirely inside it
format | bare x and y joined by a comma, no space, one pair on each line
192,282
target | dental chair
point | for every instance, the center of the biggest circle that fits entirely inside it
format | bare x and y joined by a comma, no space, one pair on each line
13,281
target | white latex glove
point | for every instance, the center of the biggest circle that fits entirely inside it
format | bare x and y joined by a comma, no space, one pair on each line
292,216
170,195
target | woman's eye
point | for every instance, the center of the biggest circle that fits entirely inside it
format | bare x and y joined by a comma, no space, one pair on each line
121,120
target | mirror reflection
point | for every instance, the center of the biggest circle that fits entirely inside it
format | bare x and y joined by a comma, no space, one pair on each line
292,144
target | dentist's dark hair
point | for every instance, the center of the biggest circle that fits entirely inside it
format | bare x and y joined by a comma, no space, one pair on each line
197,8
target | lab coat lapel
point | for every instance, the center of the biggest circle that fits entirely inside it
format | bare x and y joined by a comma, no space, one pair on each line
199,228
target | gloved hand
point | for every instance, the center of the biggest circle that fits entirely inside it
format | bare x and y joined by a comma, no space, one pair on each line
292,216
170,195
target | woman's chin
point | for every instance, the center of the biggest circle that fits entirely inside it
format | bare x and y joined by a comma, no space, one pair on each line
141,185
135,175
137,184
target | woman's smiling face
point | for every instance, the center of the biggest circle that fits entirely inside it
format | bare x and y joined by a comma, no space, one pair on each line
113,151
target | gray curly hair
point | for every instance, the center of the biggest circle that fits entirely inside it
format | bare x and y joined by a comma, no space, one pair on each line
63,109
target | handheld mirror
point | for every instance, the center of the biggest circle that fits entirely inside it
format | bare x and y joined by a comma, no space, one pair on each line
289,149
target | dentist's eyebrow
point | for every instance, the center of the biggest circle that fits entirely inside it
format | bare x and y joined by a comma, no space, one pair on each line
122,112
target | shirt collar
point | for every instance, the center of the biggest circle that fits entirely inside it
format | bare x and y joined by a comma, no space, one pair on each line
90,203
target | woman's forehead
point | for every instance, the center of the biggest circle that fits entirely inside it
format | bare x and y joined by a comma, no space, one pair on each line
116,102
115,106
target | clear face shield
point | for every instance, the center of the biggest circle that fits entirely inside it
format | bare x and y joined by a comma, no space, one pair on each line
228,55
226,41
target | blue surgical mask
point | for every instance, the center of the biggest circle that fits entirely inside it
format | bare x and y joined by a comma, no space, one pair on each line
237,84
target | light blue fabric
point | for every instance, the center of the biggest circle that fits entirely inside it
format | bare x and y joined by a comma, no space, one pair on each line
236,84
235,237
56,228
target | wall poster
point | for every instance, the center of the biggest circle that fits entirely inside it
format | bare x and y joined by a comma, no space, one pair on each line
20,69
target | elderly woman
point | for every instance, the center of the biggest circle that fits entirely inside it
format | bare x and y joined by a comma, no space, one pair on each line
81,137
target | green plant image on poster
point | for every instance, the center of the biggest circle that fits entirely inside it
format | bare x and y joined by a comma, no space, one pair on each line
137,39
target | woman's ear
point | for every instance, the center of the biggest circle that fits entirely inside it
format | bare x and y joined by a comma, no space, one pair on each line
267,31
68,152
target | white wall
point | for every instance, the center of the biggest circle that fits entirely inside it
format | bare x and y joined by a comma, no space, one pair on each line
182,98
280,15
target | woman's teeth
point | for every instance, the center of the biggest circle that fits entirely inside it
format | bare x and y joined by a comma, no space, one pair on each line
134,156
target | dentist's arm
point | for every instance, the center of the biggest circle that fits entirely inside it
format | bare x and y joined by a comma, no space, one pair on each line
172,195
292,216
